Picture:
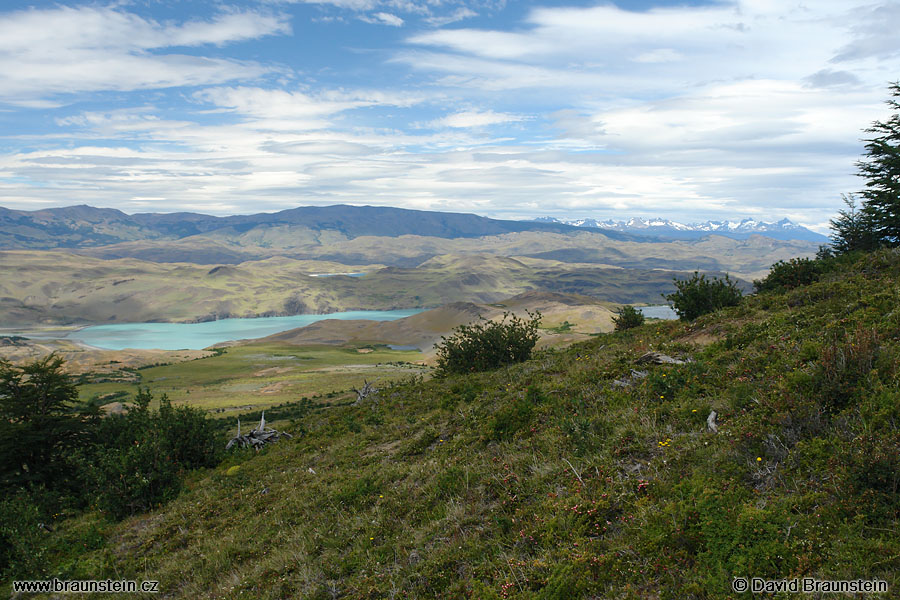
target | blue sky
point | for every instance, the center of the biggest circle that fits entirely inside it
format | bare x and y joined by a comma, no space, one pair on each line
513,109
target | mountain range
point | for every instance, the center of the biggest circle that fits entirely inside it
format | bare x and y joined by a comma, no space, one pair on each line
82,227
784,229
85,264
86,226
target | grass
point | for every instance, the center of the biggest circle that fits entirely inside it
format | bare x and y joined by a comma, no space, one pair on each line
561,328
264,375
544,480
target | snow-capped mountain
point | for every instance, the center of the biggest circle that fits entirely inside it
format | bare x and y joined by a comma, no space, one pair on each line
784,229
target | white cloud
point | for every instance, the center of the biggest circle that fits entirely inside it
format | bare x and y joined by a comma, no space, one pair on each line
459,14
383,18
64,50
738,108
661,55
473,118
358,5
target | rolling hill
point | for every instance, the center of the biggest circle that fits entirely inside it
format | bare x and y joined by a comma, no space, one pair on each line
59,288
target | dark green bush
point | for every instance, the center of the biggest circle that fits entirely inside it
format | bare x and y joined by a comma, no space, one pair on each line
488,344
700,295
39,426
141,456
787,275
628,317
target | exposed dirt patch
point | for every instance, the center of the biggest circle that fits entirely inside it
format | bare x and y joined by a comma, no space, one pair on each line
114,408
388,448
274,388
704,337
272,371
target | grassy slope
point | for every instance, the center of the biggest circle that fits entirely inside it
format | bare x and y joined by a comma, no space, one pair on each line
544,481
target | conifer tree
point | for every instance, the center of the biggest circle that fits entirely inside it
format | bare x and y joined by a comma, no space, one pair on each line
881,169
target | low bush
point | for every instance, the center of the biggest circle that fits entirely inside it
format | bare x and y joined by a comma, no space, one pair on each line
700,295
628,317
141,456
787,275
488,344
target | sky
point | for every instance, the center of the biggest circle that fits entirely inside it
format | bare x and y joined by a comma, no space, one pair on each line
689,110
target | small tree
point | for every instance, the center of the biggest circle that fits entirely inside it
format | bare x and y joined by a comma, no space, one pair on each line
698,295
39,427
854,229
488,344
881,168
628,317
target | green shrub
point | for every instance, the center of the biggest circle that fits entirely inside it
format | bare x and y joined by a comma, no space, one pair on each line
141,456
786,275
700,295
488,344
22,547
628,317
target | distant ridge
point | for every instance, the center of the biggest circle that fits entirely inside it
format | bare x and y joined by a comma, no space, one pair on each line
784,229
88,227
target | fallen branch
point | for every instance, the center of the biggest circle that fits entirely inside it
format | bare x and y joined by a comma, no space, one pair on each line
367,390
258,437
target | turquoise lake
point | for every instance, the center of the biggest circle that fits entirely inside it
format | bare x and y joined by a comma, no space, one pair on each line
195,336
662,311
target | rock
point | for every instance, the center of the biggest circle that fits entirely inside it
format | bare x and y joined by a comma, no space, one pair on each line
711,422
627,381
658,358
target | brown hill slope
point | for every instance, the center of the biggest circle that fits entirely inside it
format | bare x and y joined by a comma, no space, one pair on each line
42,287
585,316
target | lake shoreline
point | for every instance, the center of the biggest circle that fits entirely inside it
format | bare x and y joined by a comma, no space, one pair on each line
37,331
203,335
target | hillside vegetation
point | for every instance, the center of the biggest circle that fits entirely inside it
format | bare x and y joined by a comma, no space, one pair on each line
578,474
